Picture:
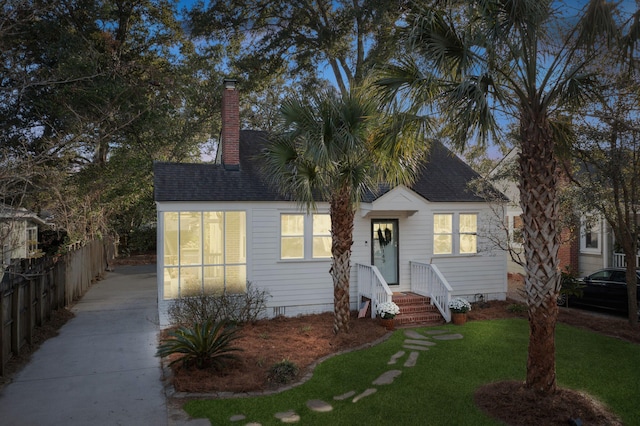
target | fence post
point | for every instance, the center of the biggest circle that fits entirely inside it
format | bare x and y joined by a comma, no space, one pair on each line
31,313
3,356
15,319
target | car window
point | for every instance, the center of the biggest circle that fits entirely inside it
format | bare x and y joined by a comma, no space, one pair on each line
618,276
600,276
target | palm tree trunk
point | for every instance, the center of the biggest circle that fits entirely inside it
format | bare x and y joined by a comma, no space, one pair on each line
342,214
538,199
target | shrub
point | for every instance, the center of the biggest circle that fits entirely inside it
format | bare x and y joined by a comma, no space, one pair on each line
517,308
236,308
283,372
205,345
570,286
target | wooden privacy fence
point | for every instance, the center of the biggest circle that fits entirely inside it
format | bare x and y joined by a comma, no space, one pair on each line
32,289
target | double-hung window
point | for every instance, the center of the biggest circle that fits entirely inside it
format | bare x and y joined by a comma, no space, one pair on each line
305,236
590,235
455,233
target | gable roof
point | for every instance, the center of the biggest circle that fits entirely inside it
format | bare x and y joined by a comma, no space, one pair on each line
10,213
443,178
212,182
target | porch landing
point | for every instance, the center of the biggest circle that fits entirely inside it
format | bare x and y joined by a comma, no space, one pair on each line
416,310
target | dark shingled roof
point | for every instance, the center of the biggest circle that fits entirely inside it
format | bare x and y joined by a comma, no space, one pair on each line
444,178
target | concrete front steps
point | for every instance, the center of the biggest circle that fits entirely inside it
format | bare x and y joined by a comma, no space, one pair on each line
416,309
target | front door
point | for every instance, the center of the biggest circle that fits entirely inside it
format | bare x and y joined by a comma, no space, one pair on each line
384,248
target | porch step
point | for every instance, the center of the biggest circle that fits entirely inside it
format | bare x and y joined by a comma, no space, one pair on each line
416,309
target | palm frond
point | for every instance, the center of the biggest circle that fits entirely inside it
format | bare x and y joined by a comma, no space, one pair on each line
597,25
468,111
431,34
577,90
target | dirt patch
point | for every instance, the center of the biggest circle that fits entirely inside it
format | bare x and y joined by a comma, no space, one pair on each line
301,340
516,405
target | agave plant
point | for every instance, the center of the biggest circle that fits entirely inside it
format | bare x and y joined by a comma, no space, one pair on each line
206,344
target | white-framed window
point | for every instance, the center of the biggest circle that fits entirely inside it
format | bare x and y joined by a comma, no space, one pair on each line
515,229
443,233
468,233
591,235
292,236
32,241
204,253
321,236
305,236
455,233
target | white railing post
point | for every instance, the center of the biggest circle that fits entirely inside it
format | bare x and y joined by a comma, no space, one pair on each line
620,260
427,280
372,285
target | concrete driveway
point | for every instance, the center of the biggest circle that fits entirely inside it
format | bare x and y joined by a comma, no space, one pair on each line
101,369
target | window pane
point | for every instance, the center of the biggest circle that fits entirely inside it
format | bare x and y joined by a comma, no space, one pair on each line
171,289
292,225
190,253
292,236
591,239
213,238
321,247
468,230
442,230
468,223
292,248
171,238
235,237
236,279
468,243
190,281
518,237
321,225
442,244
213,279
321,236
442,223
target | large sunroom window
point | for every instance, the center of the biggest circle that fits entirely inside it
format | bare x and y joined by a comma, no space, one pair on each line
204,253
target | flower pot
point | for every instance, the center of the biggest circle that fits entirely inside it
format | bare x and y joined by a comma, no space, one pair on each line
458,318
388,323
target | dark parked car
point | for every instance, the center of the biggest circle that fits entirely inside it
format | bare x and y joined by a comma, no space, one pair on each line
606,289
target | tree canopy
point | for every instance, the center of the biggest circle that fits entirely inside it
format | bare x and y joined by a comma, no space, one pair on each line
304,41
472,64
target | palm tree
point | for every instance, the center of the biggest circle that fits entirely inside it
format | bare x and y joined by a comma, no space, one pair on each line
335,148
475,64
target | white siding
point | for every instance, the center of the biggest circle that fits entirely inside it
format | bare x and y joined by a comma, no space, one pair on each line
305,286
469,275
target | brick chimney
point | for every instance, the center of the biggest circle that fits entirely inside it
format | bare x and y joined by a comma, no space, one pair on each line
230,134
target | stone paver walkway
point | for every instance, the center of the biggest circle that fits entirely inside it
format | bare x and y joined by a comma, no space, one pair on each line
415,341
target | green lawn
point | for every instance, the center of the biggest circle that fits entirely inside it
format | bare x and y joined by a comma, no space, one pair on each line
439,389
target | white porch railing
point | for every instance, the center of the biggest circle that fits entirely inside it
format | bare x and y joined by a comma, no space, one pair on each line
619,260
373,286
427,280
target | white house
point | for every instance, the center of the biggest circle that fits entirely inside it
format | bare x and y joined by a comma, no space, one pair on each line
220,225
18,233
584,250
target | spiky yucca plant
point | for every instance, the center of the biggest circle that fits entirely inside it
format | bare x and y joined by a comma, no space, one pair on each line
205,344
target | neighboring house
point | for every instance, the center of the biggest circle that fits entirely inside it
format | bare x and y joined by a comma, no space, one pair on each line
18,233
220,225
583,251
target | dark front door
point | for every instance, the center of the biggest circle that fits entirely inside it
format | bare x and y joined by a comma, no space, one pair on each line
384,248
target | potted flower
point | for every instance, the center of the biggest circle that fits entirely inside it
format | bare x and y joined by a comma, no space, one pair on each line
387,312
459,308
